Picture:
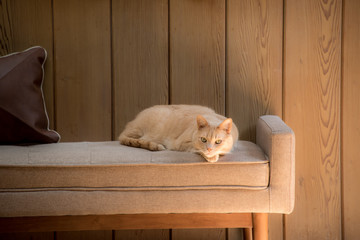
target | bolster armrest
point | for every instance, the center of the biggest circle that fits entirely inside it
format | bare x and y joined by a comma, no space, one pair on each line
278,142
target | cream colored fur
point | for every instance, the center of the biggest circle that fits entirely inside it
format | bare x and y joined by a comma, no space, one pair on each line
188,128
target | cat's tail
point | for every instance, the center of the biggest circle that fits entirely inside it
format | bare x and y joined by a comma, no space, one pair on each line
136,140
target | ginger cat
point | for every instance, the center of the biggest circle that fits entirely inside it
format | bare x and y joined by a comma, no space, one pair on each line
187,128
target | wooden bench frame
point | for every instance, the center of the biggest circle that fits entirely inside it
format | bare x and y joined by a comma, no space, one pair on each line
255,224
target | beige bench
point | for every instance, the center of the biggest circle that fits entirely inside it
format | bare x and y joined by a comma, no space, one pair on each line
104,185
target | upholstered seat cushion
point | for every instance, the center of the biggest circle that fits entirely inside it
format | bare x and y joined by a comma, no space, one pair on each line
106,178
111,166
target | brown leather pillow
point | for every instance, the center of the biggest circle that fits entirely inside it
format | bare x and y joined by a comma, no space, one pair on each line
23,116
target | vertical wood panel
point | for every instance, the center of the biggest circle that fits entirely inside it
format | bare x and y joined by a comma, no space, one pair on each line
254,69
276,231
26,24
83,70
5,28
199,234
351,119
312,109
84,235
235,234
142,235
197,68
27,236
140,68
197,57
140,57
254,62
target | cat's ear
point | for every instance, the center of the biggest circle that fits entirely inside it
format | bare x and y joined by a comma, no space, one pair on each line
201,122
226,125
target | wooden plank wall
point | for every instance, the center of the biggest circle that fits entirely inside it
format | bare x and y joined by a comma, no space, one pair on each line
350,129
312,77
82,69
140,57
109,59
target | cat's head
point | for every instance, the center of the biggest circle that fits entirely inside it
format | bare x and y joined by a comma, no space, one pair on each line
212,141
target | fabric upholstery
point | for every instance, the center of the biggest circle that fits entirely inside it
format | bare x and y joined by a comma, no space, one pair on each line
109,165
23,117
278,142
106,178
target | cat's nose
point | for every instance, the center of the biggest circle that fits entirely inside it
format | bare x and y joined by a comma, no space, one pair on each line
209,149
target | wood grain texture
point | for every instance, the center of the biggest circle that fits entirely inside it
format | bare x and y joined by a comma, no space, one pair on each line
26,24
125,221
276,231
142,234
197,53
140,57
27,236
235,234
254,69
312,110
5,28
83,69
84,235
197,67
351,120
197,234
254,62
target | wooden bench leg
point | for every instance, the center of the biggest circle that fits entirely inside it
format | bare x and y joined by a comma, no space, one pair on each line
261,222
248,235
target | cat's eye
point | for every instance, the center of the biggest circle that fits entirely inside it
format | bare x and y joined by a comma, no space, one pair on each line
218,141
204,140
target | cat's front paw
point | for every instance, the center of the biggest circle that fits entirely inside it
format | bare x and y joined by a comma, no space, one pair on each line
212,159
160,147
156,147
